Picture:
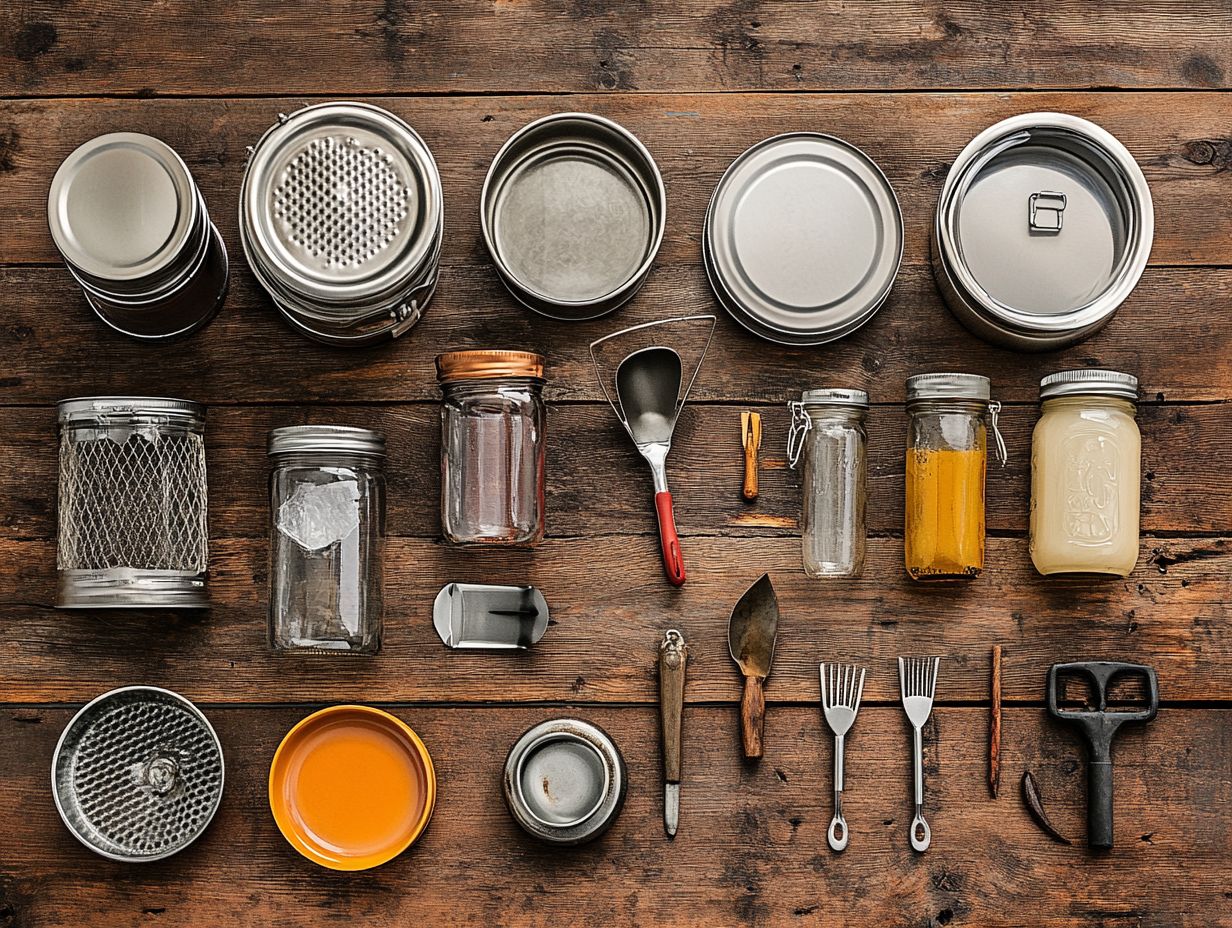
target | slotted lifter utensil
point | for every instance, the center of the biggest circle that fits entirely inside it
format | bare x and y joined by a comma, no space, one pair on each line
1099,727
917,678
650,390
842,685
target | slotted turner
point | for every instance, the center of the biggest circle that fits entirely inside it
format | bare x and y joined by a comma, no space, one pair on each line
917,678
842,685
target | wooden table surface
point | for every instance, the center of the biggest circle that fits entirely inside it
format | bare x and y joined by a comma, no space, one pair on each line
910,82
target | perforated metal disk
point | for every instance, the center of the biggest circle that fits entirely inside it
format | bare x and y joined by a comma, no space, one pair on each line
138,774
341,202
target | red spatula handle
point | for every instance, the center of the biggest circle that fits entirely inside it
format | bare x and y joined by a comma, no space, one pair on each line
673,560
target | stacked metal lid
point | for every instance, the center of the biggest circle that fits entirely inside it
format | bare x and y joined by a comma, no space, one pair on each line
138,774
341,219
1043,228
803,239
133,229
1090,382
573,211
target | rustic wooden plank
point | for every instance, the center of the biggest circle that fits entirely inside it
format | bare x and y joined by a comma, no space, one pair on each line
751,847
55,347
597,483
611,605
1181,140
365,46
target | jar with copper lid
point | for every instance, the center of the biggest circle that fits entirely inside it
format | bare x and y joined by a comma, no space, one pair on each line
492,447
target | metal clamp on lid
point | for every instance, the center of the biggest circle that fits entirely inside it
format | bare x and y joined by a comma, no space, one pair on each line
1047,211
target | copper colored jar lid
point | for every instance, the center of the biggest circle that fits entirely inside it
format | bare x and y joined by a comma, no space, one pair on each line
484,364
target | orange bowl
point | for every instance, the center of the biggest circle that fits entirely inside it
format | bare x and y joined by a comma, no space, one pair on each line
351,787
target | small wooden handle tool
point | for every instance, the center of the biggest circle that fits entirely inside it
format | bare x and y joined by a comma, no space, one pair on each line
994,724
750,437
673,656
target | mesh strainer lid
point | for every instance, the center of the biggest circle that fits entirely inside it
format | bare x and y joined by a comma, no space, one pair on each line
341,204
138,774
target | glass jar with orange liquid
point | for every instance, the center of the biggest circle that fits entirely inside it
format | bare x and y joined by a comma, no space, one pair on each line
947,455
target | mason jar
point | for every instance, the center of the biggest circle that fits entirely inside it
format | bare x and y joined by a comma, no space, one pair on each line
827,438
1086,456
327,504
947,456
492,447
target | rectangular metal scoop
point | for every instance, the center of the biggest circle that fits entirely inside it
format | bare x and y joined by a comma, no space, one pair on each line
1099,727
480,615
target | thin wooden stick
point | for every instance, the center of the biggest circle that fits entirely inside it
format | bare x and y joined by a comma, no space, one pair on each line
994,725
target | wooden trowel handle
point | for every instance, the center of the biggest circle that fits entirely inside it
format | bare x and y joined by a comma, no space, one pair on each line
753,716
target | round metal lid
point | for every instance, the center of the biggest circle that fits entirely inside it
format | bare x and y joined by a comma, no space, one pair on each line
564,781
90,409
835,396
138,774
573,210
122,206
483,364
1090,382
342,439
1046,222
340,204
948,386
803,238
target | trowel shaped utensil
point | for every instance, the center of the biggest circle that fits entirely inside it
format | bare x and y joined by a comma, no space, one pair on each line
751,634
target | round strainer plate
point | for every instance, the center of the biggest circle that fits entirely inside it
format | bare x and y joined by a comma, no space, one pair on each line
341,202
138,774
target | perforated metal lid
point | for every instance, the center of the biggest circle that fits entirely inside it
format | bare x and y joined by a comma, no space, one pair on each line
122,207
1090,382
138,774
341,439
948,386
341,204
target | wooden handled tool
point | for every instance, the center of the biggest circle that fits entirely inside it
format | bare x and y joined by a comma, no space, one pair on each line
751,634
673,656
750,438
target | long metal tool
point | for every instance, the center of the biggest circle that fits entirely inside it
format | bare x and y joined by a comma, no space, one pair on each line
917,678
673,656
650,390
751,635
842,685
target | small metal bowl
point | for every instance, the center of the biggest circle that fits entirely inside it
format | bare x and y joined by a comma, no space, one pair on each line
573,211
565,781
138,774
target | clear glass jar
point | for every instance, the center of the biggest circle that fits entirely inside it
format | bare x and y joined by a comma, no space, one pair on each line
947,456
827,435
1086,455
492,447
327,506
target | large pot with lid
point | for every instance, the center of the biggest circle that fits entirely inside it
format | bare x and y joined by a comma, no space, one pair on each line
1043,228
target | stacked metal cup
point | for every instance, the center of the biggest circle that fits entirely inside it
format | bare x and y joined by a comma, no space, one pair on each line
133,230
341,219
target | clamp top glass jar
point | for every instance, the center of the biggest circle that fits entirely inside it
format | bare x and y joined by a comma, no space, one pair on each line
947,454
492,447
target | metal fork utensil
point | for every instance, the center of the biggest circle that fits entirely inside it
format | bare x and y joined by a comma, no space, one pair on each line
842,685
917,677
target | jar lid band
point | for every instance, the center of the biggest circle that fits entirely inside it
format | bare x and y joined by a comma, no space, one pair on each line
1090,382
948,386
337,439
487,364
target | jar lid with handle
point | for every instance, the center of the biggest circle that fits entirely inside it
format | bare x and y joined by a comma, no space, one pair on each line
947,385
802,422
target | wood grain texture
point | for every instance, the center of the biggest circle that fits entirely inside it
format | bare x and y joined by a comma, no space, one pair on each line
610,606
751,848
370,46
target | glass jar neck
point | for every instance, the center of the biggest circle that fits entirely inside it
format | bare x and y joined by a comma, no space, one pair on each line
1090,401
951,406
847,415
486,385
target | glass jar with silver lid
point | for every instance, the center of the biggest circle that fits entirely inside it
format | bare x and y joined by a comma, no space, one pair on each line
133,230
1086,469
341,219
1043,228
327,506
827,435
132,504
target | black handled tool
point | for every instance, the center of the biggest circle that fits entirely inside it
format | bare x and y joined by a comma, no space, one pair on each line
1100,727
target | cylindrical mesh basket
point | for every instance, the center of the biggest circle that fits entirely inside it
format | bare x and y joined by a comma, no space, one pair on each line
132,515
